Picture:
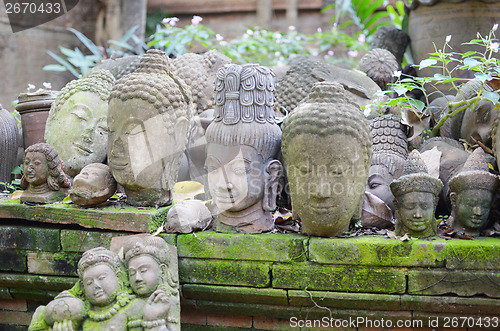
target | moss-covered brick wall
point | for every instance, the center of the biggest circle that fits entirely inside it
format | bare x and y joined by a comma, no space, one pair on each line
234,281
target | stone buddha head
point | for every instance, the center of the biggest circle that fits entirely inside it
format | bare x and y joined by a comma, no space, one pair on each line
326,148
150,113
472,191
43,180
243,143
416,195
93,185
77,122
379,64
390,150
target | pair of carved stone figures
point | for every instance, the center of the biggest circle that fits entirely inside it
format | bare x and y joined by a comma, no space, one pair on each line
137,292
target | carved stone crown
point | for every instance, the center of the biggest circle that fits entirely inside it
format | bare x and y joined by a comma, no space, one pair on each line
98,255
415,178
475,175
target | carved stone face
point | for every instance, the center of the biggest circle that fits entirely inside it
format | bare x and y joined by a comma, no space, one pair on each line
139,144
235,176
145,275
416,212
79,131
479,123
35,168
91,186
100,284
327,180
472,208
379,181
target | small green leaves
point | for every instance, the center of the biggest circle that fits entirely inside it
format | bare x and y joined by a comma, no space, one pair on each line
471,63
426,63
491,96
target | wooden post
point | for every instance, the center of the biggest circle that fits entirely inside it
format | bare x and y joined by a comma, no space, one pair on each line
292,13
264,13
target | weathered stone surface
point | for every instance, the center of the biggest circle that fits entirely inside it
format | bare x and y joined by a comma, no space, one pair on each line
15,318
61,264
12,260
114,217
344,300
80,241
33,295
239,273
339,278
37,282
264,247
376,251
170,238
479,254
460,282
235,294
353,318
456,321
23,237
5,294
453,305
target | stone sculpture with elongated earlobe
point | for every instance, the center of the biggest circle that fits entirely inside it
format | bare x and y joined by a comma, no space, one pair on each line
150,113
326,148
77,122
243,143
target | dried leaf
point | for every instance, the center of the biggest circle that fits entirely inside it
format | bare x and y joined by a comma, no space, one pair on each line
417,122
391,234
375,213
405,237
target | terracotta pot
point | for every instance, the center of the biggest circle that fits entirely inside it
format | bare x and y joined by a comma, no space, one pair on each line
431,21
8,144
34,110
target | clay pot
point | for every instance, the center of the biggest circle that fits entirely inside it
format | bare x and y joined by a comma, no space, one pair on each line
432,21
8,144
34,110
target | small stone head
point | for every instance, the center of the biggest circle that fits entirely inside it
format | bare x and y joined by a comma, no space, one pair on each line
416,196
471,194
188,216
101,274
379,64
147,260
76,125
243,141
150,112
43,167
390,150
326,148
93,185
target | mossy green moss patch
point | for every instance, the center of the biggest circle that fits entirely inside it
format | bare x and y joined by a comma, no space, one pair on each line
235,294
262,247
219,272
37,282
338,278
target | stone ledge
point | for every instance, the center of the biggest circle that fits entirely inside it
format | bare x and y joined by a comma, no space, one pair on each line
58,264
12,260
37,282
267,296
452,305
119,218
263,247
29,238
220,272
311,276
461,282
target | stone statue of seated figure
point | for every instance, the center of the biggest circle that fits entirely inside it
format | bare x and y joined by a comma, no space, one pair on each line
471,195
43,177
153,277
93,185
243,144
416,196
76,125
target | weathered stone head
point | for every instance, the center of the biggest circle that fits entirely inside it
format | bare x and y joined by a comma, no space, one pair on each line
392,39
43,178
199,72
379,64
188,216
93,185
472,191
150,112
416,196
76,125
243,143
151,271
390,151
477,123
326,148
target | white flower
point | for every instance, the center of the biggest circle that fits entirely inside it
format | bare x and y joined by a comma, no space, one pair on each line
495,27
448,38
291,28
397,73
331,53
361,38
219,37
249,32
196,20
31,87
47,85
494,47
170,20
297,38
223,43
277,54
245,35
353,53
320,30
314,53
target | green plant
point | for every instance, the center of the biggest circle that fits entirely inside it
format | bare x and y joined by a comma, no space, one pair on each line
486,70
14,184
78,63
